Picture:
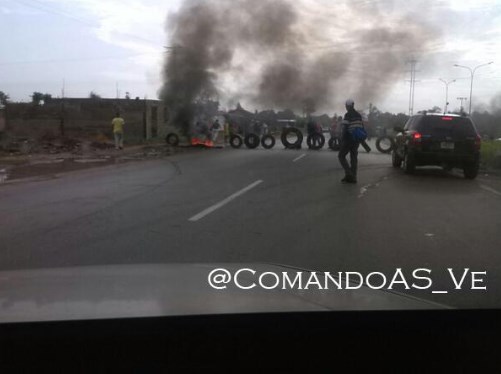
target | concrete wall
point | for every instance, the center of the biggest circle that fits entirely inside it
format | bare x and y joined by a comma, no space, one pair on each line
86,119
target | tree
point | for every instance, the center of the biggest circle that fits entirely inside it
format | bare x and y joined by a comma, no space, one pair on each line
93,95
37,98
435,109
46,97
4,98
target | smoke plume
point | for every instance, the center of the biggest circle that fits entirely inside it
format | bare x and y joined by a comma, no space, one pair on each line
288,54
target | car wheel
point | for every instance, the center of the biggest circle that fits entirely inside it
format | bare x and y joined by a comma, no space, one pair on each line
251,141
409,163
268,141
396,160
236,141
172,139
471,171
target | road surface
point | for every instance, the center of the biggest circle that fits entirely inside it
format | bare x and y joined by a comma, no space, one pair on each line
274,206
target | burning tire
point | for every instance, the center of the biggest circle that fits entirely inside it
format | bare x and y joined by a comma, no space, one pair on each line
172,139
385,144
268,141
236,141
251,141
292,131
316,141
334,144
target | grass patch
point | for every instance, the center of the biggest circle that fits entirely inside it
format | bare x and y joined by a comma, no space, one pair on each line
490,154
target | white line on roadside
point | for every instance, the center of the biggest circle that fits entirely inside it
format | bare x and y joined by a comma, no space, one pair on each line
489,189
439,291
222,203
299,157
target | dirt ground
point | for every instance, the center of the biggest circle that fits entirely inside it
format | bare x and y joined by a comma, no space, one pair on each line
15,167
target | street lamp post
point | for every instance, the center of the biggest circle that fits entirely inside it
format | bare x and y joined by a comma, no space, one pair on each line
461,99
446,92
472,72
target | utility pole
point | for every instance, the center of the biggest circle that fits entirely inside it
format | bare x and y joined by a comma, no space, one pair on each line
61,120
412,85
461,99
118,93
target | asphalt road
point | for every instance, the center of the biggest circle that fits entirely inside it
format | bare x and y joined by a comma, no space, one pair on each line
274,206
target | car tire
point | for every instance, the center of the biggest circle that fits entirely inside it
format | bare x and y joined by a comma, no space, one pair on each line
315,145
268,141
381,146
297,143
396,160
471,171
251,141
334,144
236,141
409,163
172,139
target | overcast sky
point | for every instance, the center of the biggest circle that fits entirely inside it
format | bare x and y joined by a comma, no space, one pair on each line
99,45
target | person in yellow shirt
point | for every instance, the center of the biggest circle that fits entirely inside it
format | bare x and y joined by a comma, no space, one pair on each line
118,131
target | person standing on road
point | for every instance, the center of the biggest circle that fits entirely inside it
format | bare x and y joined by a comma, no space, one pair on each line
226,130
349,145
118,130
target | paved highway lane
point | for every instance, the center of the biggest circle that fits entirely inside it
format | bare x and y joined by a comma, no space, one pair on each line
279,206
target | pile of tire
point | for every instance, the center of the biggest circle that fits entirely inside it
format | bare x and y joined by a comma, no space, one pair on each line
252,141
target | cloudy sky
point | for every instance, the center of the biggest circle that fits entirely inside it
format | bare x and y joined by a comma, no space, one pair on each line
117,46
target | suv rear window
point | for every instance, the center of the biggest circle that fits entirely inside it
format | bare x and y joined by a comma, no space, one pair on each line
445,125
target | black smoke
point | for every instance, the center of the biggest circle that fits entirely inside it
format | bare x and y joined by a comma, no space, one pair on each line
287,54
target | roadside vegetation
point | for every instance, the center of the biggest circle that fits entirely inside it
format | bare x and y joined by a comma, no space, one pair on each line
491,154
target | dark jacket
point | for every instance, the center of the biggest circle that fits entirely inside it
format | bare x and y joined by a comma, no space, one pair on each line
351,118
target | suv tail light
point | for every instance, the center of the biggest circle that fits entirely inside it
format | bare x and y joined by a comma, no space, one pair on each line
478,142
416,138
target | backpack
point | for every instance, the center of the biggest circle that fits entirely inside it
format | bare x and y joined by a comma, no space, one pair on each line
358,134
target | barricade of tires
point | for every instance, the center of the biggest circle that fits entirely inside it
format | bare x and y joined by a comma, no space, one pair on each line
291,138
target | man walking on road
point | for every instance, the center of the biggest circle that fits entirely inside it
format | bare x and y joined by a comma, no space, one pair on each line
118,131
349,145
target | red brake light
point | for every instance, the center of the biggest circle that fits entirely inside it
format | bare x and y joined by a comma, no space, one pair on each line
446,118
416,136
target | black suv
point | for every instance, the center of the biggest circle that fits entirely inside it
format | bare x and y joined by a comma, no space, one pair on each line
446,140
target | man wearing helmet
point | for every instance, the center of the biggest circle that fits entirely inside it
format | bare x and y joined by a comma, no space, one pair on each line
348,144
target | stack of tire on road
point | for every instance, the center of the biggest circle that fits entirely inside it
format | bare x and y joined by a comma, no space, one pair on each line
314,142
252,141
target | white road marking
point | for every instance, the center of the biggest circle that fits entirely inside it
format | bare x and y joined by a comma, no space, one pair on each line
222,203
489,189
439,291
299,157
